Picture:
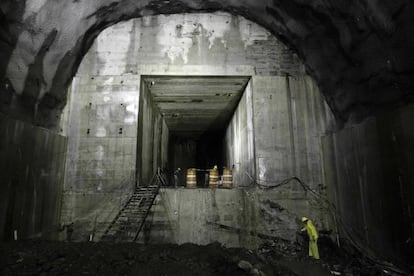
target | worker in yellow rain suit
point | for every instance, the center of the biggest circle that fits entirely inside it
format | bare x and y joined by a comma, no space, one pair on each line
313,237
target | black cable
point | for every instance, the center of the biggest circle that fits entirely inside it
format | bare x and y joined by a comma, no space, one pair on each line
331,208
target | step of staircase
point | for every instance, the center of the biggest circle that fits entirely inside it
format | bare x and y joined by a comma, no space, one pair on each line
131,218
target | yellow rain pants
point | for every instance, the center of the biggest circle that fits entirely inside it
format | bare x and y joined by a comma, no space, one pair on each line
313,239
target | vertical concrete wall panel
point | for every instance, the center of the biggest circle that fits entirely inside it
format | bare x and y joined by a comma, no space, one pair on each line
370,179
101,151
32,171
149,138
287,140
271,121
239,141
165,135
102,134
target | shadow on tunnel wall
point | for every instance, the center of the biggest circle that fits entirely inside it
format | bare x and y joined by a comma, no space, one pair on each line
370,177
32,165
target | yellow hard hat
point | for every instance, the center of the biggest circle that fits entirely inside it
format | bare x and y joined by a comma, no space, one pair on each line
304,219
179,169
215,167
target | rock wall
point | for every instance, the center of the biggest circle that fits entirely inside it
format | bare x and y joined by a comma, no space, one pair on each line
358,52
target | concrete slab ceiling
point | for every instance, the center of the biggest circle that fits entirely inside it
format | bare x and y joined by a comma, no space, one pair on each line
194,105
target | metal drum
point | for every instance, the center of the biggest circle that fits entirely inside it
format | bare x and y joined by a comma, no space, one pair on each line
191,178
227,178
213,179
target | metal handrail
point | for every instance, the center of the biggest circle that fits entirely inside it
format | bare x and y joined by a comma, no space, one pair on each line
117,216
159,180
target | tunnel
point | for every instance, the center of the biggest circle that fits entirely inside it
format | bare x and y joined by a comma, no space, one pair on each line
309,105
197,111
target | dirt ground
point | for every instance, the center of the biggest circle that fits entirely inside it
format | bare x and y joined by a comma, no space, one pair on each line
36,257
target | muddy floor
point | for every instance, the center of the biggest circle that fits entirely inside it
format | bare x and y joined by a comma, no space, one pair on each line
88,258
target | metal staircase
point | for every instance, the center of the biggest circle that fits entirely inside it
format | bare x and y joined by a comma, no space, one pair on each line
130,220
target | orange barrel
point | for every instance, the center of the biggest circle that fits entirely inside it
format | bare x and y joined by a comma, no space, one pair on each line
191,178
227,178
213,179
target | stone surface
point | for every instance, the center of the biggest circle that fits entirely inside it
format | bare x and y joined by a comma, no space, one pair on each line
245,265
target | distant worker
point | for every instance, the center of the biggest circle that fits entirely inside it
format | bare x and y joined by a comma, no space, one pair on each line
313,237
177,177
215,167
69,230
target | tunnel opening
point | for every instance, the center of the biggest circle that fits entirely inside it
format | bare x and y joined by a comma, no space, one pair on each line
202,153
193,114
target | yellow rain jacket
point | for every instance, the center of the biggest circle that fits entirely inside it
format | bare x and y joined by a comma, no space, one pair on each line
313,238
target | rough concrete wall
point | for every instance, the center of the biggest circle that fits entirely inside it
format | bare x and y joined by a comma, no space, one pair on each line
239,141
102,134
102,166
235,218
368,170
149,138
290,117
91,210
101,150
165,133
218,39
198,41
32,165
120,55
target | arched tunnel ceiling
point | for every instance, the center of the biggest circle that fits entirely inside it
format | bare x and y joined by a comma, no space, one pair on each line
359,52
194,105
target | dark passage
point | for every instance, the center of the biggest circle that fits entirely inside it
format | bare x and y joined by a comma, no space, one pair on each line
201,153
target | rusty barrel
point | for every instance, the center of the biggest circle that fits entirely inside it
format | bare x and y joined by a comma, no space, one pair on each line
213,179
191,178
227,178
